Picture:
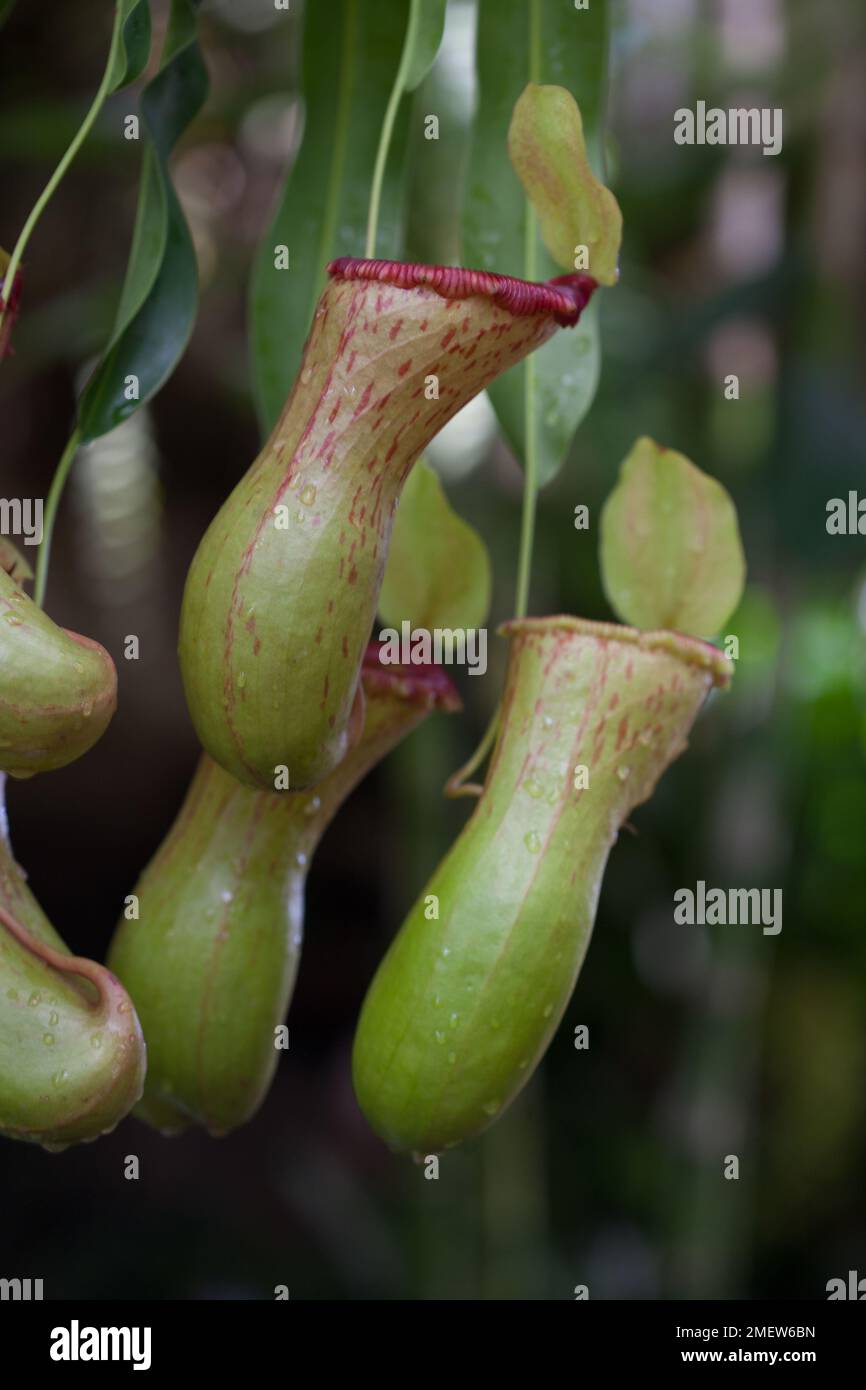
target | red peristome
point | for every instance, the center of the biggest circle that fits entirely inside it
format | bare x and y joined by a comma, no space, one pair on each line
565,297
426,683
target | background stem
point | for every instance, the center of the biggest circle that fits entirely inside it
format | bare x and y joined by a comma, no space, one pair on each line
530,498
397,92
530,452
52,502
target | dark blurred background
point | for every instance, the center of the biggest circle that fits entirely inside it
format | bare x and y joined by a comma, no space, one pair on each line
703,1041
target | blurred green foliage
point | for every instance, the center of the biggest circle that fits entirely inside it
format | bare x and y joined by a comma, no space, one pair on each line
158,303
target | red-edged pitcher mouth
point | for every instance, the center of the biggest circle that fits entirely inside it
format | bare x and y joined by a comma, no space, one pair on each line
429,684
564,298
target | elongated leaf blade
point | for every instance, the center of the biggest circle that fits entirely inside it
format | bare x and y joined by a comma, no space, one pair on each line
134,46
351,56
541,41
160,294
426,39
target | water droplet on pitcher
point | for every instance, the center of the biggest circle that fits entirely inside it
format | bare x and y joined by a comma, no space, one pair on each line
48,1039
35,998
54,1018
533,788
623,773
96,1040
548,1010
532,840
87,709
242,680
306,374
439,1036
312,805
308,496
59,1079
490,1107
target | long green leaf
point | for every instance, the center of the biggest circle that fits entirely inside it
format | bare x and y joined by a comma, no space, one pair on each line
133,49
160,295
423,36
542,41
426,36
351,52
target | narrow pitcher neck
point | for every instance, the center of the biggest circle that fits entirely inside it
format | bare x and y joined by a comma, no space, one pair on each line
395,350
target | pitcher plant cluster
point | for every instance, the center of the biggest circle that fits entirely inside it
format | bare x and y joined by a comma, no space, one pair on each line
294,701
